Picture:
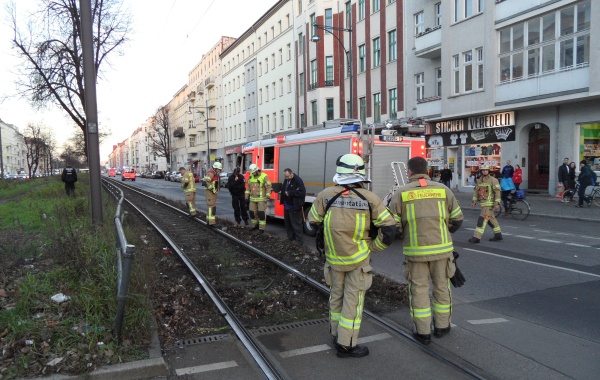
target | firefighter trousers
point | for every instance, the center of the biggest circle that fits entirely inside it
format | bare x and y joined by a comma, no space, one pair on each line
346,301
190,201
211,205
258,214
486,216
421,305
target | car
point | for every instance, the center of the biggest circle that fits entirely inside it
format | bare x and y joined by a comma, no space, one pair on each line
22,176
168,176
158,174
223,178
112,172
119,172
176,177
12,176
128,174
147,175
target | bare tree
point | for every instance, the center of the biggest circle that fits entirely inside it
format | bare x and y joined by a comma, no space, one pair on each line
70,156
77,142
50,47
34,147
160,139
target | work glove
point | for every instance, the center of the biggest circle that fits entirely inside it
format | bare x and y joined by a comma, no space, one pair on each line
458,279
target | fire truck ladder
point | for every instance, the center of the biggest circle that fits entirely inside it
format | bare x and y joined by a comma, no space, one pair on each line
400,179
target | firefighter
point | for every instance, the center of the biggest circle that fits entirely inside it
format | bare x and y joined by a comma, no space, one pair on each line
258,191
349,221
487,192
212,188
425,212
189,189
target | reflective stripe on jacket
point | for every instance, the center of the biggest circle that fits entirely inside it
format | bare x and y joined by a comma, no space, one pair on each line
188,178
424,214
259,188
487,191
347,224
212,181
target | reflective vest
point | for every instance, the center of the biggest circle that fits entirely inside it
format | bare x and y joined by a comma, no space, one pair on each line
188,178
212,181
487,191
259,188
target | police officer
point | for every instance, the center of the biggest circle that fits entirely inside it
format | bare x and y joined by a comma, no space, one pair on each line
258,191
189,189
487,192
212,188
427,212
69,177
349,212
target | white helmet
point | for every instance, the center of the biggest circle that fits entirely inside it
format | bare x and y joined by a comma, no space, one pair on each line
217,165
253,168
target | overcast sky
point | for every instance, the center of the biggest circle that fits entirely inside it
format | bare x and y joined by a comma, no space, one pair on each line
168,40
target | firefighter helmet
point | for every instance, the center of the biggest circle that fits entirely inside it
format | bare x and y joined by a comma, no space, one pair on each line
253,168
217,165
350,164
484,167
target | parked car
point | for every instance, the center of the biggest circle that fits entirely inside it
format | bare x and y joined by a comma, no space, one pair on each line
112,172
128,174
22,176
168,176
159,174
223,178
176,177
147,175
12,176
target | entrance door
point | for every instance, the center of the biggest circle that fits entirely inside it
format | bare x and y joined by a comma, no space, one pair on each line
539,157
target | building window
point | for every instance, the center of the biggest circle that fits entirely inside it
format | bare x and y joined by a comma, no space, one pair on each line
313,28
375,5
274,90
362,61
329,105
302,121
274,121
289,83
299,6
313,74
289,51
377,108
280,57
301,82
467,8
281,87
479,53
281,120
361,9
468,70
420,86
438,13
348,60
268,127
438,81
419,23
376,52
266,93
348,14
260,69
273,60
393,107
313,106
392,45
300,43
456,71
362,109
329,71
290,117
328,19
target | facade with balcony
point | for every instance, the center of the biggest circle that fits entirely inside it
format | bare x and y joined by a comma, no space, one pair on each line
12,149
522,89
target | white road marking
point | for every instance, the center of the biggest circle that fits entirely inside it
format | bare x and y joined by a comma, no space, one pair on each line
325,347
579,245
551,241
374,338
524,237
486,321
205,368
533,262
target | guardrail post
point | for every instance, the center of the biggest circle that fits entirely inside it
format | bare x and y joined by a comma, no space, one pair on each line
122,292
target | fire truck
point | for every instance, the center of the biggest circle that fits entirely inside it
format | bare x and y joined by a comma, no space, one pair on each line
312,155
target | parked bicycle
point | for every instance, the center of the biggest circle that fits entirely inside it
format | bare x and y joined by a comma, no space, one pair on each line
592,195
518,207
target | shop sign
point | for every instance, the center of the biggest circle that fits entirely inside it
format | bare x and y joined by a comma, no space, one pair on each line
237,149
483,129
436,162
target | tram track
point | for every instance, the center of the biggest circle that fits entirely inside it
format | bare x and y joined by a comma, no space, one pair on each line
169,226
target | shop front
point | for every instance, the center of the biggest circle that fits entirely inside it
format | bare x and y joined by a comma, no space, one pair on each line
467,143
233,158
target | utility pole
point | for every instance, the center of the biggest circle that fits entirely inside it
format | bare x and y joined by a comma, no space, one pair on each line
91,110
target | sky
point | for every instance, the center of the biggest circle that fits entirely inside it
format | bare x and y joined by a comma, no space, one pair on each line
168,39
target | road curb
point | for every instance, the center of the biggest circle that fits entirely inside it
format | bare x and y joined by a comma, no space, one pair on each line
564,217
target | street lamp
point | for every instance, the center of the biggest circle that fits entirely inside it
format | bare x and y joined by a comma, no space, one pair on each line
315,38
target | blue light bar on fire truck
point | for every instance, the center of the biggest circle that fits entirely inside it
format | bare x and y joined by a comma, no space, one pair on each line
350,128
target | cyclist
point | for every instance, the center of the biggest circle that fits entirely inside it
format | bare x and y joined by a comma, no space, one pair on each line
586,178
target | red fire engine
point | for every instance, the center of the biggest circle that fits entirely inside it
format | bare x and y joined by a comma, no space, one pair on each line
312,155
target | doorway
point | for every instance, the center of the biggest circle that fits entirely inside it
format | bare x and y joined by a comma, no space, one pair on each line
539,156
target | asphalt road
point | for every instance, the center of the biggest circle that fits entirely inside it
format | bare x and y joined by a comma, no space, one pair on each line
531,304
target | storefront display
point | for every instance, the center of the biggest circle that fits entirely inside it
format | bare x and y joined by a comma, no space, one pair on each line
477,155
589,147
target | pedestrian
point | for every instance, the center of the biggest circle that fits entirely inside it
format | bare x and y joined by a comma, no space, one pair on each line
258,191
210,192
189,189
69,177
564,174
446,176
487,192
292,198
350,215
572,169
518,177
236,184
508,170
427,211
586,178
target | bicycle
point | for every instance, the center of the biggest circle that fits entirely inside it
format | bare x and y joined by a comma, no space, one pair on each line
518,208
593,197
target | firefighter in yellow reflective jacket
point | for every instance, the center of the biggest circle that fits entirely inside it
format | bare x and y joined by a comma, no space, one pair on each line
427,212
210,193
258,191
347,221
189,189
487,192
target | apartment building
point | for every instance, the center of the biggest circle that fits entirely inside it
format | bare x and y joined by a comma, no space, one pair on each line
12,149
357,56
258,82
502,81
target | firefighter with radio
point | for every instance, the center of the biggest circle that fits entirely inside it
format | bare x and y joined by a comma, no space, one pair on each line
426,212
258,191
487,192
189,189
355,224
212,188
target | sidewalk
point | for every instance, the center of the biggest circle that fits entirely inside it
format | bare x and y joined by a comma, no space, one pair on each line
543,205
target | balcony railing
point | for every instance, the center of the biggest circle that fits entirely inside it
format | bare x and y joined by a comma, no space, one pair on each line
209,82
329,83
178,132
312,86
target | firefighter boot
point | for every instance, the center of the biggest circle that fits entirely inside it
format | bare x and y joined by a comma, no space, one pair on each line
351,352
474,240
438,332
422,338
497,237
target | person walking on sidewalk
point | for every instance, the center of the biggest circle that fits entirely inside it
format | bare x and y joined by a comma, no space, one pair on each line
428,213
487,192
564,173
446,176
518,177
586,178
189,189
292,198
236,184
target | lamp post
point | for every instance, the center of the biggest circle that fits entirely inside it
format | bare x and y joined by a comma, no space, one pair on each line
348,52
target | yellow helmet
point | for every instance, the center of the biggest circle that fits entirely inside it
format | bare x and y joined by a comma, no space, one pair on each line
217,165
253,168
350,164
484,167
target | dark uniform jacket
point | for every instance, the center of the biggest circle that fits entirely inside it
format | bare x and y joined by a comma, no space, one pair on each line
69,175
295,192
236,187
